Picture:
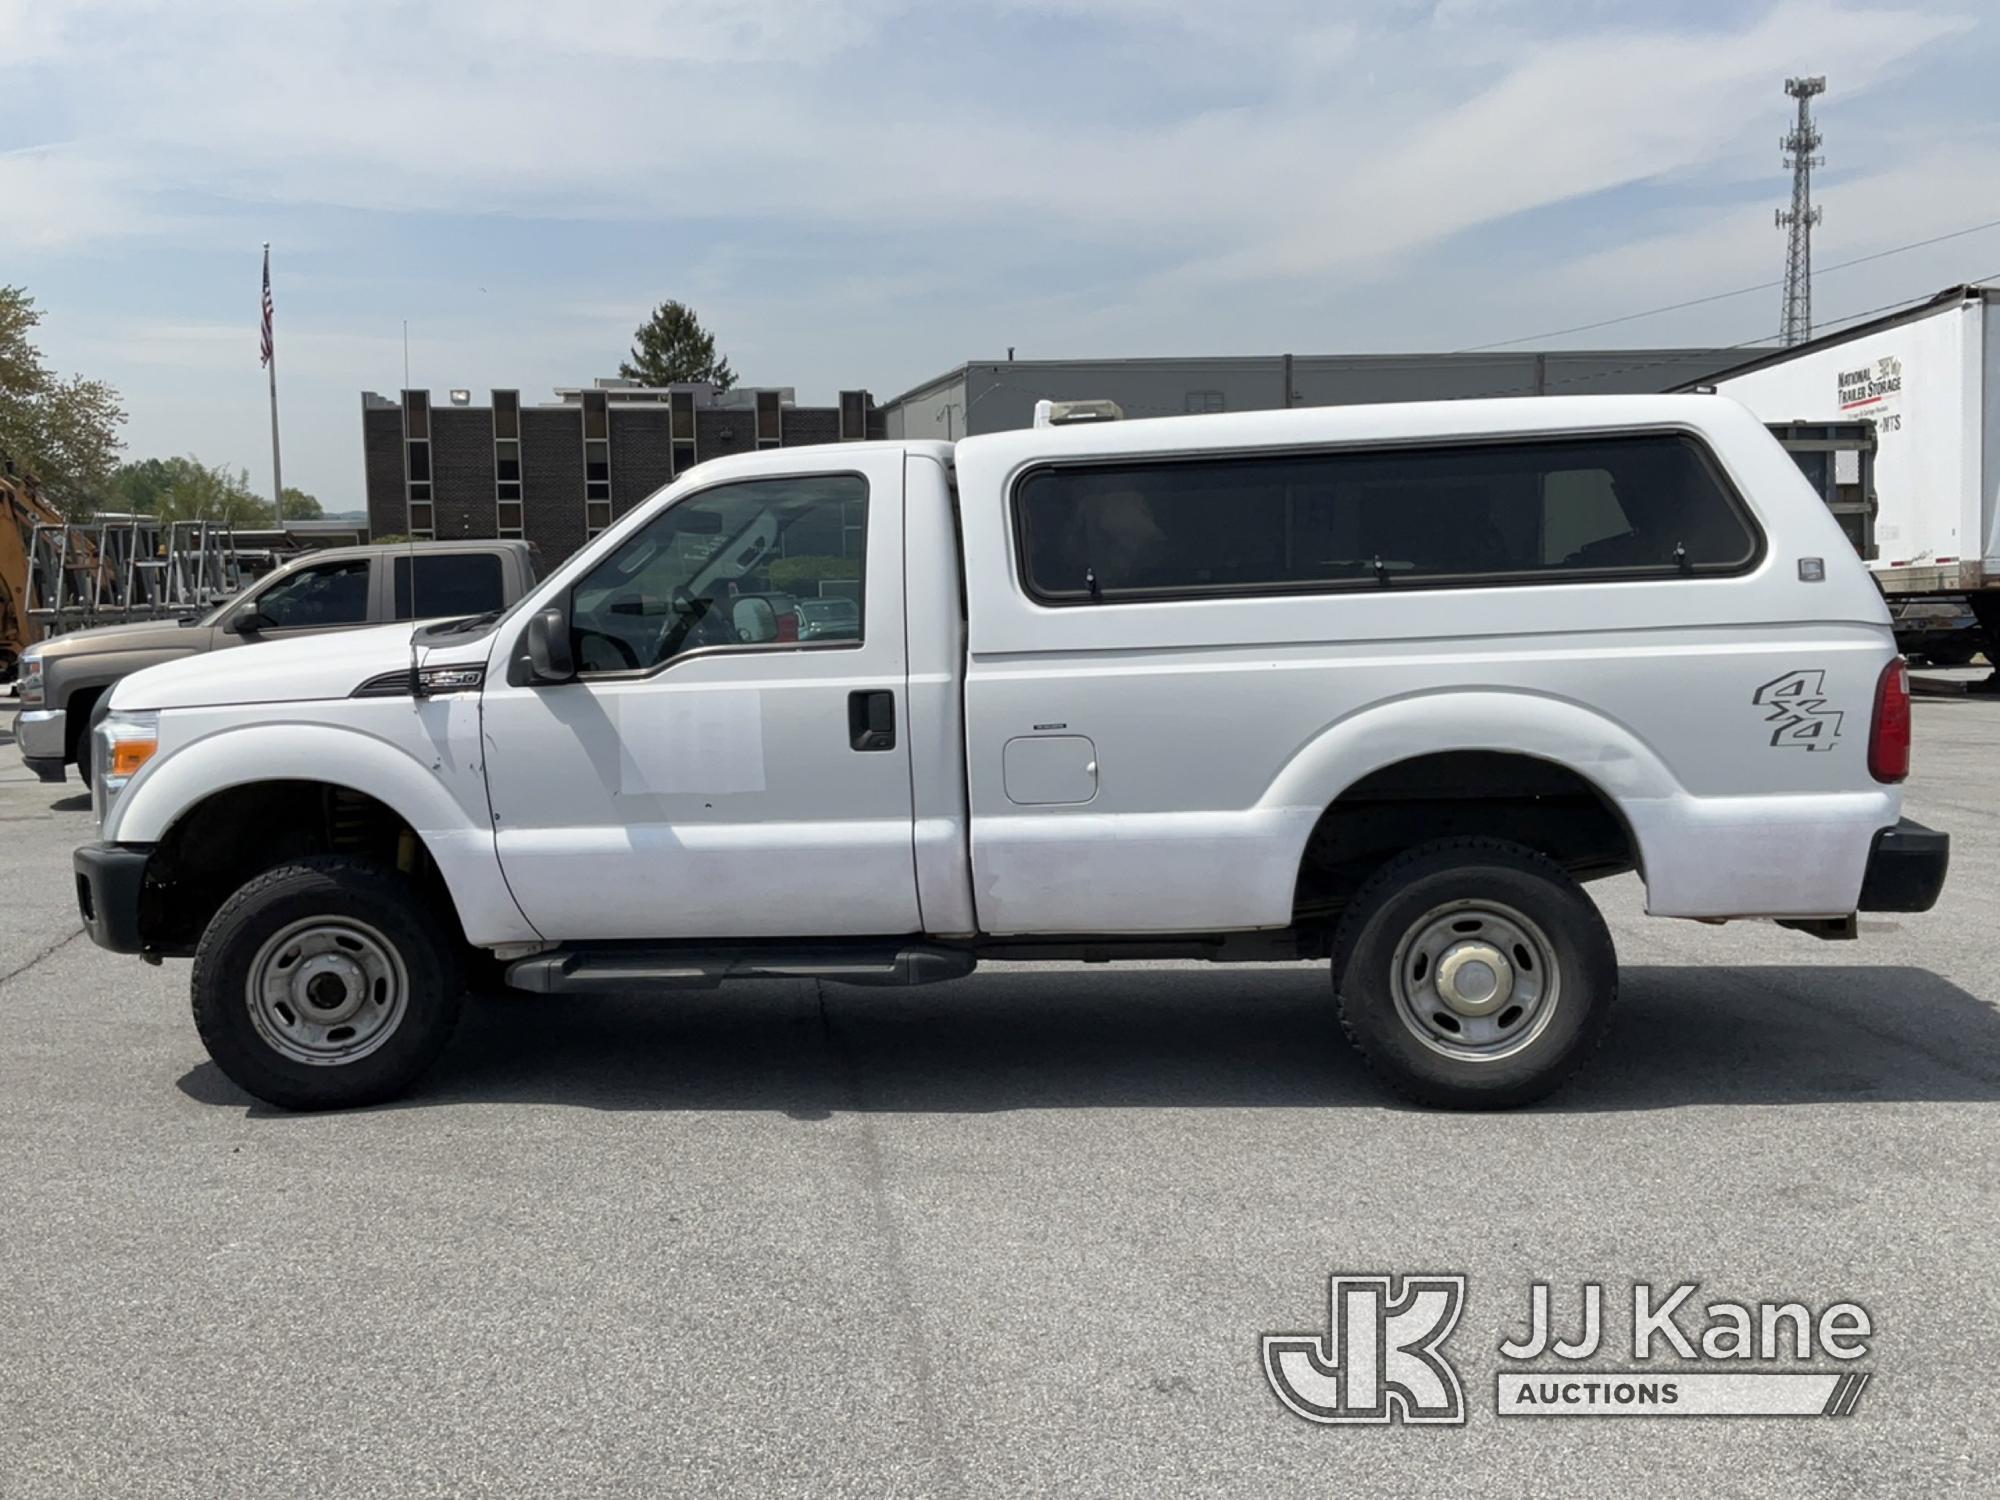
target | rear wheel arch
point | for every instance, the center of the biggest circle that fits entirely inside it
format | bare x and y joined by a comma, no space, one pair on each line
1539,803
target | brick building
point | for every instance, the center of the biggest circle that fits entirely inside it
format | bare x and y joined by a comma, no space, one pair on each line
559,472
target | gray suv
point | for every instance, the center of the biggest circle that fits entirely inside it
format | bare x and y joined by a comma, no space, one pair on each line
341,588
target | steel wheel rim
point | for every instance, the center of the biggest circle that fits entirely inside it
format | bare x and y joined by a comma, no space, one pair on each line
325,991
1475,980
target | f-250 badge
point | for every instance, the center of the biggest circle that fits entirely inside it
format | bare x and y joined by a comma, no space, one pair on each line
1795,707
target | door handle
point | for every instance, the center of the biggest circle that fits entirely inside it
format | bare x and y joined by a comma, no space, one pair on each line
871,720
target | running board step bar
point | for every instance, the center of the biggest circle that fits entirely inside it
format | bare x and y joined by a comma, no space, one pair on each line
624,969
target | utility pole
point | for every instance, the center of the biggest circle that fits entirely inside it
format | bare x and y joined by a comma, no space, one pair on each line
1795,327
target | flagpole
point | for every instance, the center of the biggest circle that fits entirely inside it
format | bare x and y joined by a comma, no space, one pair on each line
271,363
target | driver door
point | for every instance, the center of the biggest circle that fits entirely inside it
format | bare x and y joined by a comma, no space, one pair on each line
707,774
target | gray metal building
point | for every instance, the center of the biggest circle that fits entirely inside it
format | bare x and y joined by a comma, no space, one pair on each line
998,395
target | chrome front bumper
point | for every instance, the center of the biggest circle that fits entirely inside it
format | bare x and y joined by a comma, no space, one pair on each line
43,735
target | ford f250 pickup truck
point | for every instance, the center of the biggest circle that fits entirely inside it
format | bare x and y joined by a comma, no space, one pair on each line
1379,686
338,588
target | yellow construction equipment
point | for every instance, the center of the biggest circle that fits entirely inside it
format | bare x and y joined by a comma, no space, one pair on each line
24,514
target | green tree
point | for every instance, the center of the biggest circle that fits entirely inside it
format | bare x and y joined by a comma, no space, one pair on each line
672,346
138,484
186,489
63,432
197,492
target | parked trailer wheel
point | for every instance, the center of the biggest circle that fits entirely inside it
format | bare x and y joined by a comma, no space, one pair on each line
324,984
1474,974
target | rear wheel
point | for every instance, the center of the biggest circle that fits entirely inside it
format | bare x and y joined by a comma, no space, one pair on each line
1474,974
324,984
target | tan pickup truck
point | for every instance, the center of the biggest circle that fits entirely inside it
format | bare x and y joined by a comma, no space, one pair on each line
341,588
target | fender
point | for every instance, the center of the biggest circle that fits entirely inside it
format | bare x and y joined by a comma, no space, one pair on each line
1625,772
458,841
1794,855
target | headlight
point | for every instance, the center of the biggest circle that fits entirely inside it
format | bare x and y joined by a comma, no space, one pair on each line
122,744
31,678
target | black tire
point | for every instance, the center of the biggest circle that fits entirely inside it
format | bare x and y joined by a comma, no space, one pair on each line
1407,908
388,922
81,720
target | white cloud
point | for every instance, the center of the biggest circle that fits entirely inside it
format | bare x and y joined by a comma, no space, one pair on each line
862,191
57,198
1571,119
1301,145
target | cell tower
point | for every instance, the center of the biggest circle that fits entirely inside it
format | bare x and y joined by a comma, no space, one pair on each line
1796,325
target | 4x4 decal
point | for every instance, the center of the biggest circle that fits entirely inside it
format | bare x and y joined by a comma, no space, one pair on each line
1795,708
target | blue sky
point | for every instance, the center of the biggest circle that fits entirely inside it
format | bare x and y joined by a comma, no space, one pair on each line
865,192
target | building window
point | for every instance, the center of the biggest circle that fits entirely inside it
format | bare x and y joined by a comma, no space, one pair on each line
770,416
596,463
1205,401
417,464
1557,511
507,463
680,408
853,416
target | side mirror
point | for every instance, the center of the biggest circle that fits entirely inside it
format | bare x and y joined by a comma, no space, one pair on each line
548,647
250,622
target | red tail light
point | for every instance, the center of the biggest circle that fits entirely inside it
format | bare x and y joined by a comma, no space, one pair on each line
788,626
1889,739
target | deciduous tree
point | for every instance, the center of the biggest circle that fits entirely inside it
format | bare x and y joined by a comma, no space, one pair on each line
62,431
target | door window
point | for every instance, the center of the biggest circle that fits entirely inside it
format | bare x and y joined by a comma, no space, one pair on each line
737,566
317,598
449,584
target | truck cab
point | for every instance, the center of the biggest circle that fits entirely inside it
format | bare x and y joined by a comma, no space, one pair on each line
1382,687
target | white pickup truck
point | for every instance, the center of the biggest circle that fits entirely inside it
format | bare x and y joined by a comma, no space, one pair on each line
1374,685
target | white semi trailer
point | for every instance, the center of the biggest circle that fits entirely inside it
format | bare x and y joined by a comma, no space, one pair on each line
1929,379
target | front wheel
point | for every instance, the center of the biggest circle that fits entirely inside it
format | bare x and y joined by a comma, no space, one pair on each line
324,984
1474,974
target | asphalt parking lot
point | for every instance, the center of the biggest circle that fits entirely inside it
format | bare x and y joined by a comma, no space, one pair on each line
1018,1234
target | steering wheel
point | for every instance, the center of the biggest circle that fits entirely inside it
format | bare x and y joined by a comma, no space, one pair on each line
692,623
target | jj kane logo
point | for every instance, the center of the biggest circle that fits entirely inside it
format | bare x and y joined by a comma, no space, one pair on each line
1379,1359
1795,707
1382,1357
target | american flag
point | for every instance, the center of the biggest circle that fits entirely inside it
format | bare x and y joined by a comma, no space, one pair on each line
266,342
